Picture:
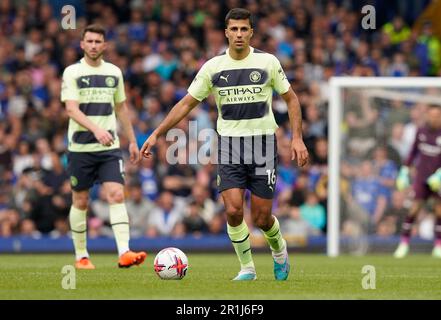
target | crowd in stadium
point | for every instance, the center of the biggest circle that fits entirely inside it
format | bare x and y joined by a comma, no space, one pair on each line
160,47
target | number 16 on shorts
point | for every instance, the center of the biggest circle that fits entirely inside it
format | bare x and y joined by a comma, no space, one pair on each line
271,178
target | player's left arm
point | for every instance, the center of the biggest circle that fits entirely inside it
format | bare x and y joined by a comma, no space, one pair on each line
298,147
122,113
282,86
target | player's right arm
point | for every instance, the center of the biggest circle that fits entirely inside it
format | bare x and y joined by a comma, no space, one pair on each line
70,95
73,111
199,89
176,114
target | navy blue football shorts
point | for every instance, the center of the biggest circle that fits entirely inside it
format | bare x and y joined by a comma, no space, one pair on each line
87,168
248,163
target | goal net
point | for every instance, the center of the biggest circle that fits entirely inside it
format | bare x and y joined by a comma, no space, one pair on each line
372,124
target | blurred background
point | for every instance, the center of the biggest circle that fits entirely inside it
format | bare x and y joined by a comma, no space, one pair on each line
160,46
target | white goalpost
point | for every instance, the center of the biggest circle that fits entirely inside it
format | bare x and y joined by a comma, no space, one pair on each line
374,87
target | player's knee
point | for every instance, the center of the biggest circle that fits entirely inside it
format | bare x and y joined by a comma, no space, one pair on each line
80,201
115,196
262,221
235,212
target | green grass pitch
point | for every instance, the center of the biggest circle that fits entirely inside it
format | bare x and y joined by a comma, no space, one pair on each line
39,276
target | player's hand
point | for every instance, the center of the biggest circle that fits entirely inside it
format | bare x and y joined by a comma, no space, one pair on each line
434,181
403,180
299,152
147,146
135,156
103,136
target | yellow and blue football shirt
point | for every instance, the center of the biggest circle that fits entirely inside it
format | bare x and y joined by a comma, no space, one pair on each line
243,91
97,90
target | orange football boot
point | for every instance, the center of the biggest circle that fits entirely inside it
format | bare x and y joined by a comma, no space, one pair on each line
84,263
131,258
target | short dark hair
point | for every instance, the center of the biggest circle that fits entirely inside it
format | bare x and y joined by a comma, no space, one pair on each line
95,28
238,14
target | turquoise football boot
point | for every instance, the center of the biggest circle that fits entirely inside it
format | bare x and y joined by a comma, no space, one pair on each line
281,270
246,275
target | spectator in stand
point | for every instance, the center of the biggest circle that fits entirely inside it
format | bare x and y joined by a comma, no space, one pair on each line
394,215
398,113
148,179
416,55
27,228
139,209
319,162
164,220
403,133
397,30
317,126
368,193
313,213
180,177
9,223
193,220
291,223
168,65
433,45
61,228
22,158
386,170
206,206
360,117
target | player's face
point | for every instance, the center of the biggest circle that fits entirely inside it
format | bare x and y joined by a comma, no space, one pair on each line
93,45
239,33
434,118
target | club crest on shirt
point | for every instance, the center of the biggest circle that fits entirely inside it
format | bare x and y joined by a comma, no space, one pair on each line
110,82
255,76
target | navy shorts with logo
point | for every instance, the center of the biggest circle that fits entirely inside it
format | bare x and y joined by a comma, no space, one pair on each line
248,163
87,168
